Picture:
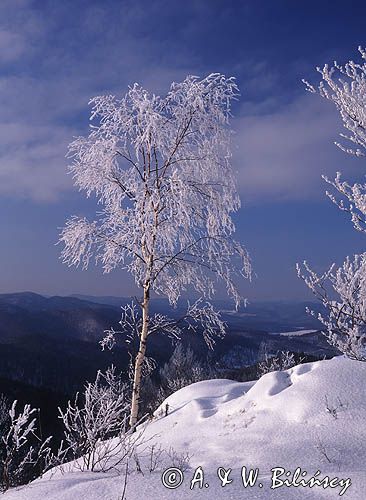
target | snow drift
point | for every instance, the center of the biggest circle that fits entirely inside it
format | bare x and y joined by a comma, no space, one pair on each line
307,419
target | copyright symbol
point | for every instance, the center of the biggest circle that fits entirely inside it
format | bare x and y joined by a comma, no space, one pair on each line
172,478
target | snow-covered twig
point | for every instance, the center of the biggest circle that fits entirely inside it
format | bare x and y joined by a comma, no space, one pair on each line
345,318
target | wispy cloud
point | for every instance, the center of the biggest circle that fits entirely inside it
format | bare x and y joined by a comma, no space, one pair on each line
32,163
281,155
52,62
47,78
12,45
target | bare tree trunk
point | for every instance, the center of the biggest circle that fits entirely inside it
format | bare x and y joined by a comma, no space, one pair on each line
140,358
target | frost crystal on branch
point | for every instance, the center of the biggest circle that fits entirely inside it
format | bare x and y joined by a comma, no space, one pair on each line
199,316
22,453
343,291
356,195
160,169
92,420
345,86
345,321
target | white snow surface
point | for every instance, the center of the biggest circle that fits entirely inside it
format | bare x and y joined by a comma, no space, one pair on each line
295,333
280,420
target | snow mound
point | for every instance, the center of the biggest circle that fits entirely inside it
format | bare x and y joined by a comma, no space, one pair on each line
312,416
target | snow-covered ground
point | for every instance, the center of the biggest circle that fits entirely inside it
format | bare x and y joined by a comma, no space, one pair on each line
295,333
279,421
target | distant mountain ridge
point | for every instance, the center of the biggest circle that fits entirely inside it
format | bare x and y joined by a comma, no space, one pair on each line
271,316
35,301
58,337
276,315
103,299
28,313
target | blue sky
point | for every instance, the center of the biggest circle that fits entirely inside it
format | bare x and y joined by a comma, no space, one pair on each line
54,56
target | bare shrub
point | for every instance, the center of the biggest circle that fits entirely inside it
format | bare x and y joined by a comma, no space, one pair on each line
96,425
282,360
23,455
180,460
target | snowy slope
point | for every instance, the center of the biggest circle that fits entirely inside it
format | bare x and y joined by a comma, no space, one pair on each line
279,421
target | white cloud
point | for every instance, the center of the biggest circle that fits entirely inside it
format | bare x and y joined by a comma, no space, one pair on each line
12,45
279,155
282,155
32,161
44,104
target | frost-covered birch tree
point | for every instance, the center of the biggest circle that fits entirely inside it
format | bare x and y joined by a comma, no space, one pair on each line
343,290
160,169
